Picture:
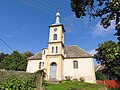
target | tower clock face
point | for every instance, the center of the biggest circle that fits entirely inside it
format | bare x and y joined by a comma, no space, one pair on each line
55,29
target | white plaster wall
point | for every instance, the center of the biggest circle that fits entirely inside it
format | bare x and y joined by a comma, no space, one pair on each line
33,66
44,55
85,69
58,32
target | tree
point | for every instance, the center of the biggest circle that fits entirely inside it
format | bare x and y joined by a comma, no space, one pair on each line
15,61
107,10
2,56
27,54
108,54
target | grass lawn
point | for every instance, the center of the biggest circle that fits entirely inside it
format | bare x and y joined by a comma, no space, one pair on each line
69,85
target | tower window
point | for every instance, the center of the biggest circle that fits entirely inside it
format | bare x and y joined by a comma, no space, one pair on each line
44,51
56,49
55,37
52,49
75,64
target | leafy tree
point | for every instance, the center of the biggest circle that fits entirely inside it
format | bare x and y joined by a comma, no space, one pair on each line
2,56
108,54
15,61
107,10
27,54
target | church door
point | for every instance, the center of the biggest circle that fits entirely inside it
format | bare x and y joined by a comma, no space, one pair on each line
53,71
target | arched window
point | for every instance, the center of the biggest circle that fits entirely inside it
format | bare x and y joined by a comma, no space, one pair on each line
40,65
52,49
56,49
75,64
55,37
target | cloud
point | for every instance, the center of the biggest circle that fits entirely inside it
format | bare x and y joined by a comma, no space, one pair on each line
100,31
92,52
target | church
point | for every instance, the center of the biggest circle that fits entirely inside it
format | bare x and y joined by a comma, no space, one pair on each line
62,61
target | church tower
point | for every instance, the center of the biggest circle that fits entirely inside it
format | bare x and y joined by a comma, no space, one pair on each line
55,50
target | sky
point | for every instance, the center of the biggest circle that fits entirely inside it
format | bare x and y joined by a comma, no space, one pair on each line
24,26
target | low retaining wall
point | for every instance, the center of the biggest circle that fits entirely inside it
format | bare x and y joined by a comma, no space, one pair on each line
6,74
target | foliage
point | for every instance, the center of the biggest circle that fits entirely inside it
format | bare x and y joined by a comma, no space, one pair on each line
14,61
17,84
75,80
27,54
107,10
2,56
82,79
68,78
108,54
100,76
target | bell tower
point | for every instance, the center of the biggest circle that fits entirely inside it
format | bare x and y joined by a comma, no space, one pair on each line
55,50
56,37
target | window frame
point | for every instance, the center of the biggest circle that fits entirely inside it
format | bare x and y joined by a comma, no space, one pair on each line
55,37
75,64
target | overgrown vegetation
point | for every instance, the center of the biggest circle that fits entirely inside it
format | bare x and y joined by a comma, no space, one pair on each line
100,76
14,61
14,83
108,54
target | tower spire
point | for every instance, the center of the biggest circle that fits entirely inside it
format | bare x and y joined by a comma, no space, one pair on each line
57,18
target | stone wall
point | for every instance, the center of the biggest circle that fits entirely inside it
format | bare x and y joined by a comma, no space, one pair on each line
6,74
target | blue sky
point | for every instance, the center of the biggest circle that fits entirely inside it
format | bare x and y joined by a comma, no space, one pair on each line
24,26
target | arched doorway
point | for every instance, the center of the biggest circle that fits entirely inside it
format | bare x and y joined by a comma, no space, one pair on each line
53,71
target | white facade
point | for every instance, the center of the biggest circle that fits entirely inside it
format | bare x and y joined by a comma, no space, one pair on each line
60,60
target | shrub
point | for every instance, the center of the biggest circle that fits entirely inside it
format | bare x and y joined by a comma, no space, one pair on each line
68,78
17,84
82,79
75,80
100,76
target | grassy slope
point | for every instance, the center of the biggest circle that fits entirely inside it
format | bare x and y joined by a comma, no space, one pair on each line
77,85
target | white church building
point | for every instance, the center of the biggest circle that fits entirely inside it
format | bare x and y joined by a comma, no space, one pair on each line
62,61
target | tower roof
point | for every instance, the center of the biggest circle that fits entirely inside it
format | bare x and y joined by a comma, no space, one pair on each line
57,21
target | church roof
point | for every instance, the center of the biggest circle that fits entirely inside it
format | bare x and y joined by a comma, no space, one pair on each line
70,52
75,51
36,56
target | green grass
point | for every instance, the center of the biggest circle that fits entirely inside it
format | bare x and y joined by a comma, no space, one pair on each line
114,89
69,85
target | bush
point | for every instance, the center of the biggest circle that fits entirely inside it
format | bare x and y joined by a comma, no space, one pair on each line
75,80
82,79
100,76
68,78
17,84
